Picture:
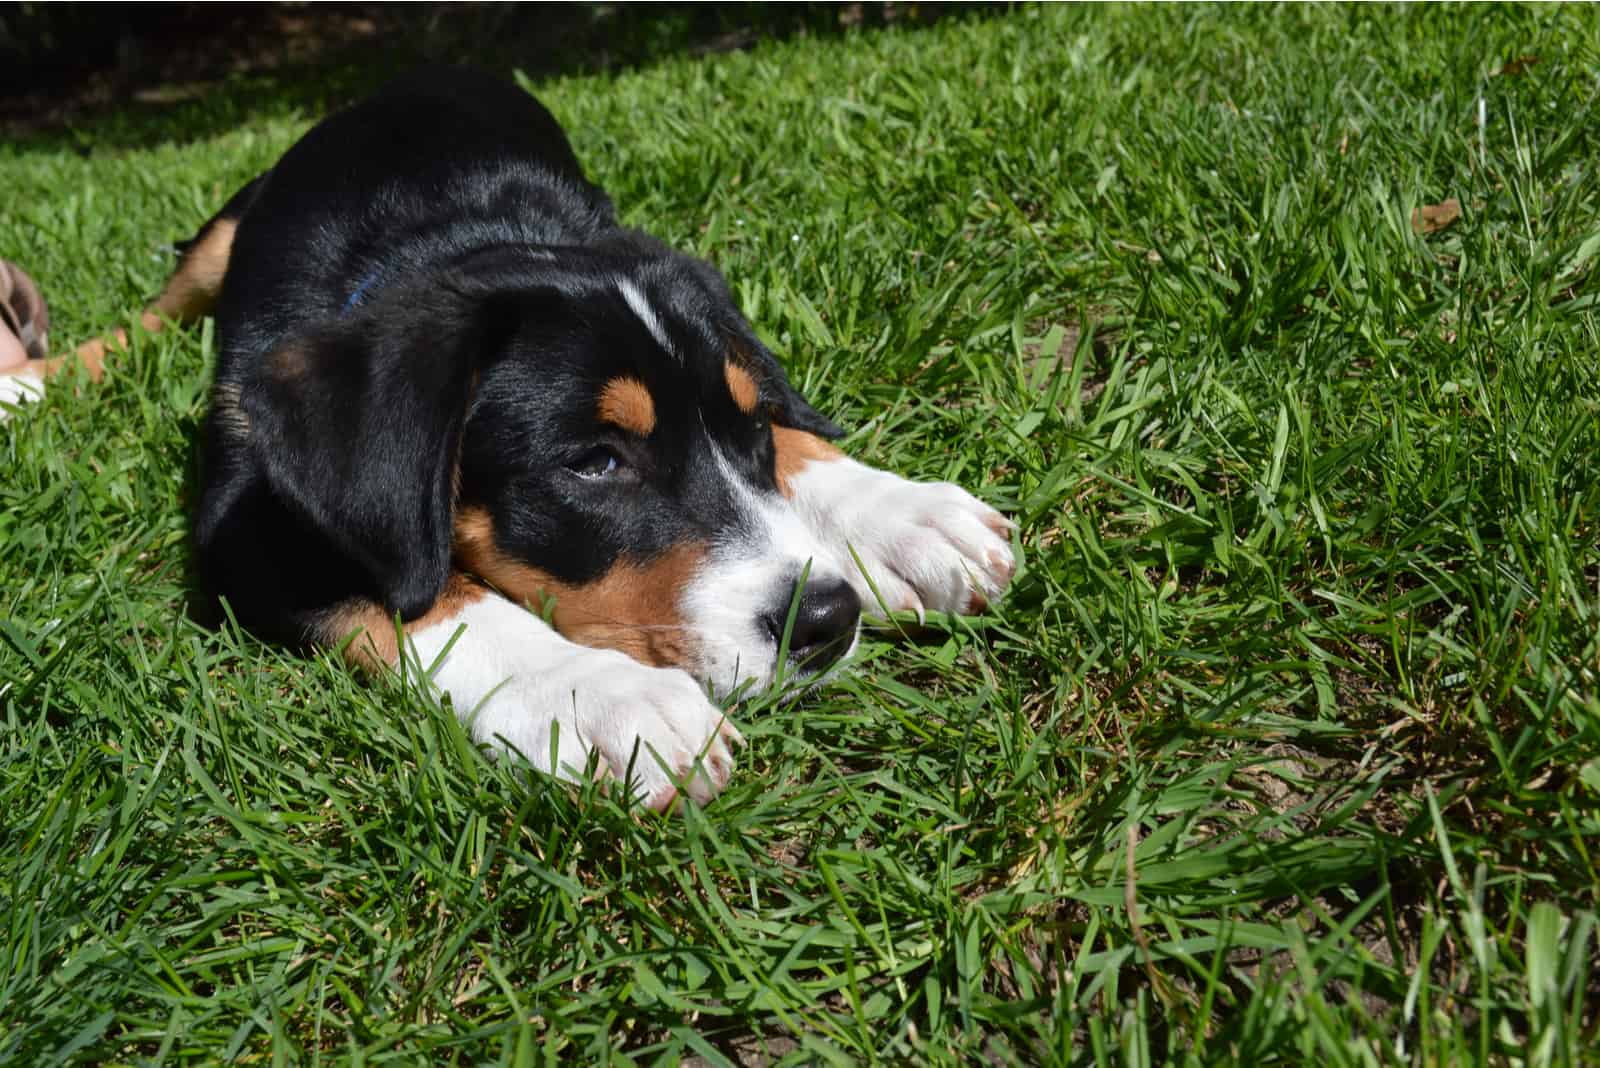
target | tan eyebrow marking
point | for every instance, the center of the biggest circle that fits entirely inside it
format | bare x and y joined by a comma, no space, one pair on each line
744,389
627,404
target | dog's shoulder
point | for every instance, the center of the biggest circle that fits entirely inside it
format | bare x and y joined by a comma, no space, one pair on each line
435,168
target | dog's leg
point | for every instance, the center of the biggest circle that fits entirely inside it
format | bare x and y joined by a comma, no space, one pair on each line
188,296
518,685
923,546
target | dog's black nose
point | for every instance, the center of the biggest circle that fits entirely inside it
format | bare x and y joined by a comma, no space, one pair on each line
824,623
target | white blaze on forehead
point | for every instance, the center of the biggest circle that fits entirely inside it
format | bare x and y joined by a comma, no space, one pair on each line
780,535
641,307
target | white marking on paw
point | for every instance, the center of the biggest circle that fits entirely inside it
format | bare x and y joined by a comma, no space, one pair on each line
926,546
520,686
17,390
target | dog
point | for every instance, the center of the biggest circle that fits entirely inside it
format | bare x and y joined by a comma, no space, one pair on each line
463,418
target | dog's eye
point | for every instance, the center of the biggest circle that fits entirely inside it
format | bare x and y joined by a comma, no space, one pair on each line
599,462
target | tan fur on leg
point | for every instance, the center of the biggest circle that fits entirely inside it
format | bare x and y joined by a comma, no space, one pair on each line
188,296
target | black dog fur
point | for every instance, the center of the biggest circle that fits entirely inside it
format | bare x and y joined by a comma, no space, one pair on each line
418,308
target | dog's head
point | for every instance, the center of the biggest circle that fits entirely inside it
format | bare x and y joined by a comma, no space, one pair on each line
590,431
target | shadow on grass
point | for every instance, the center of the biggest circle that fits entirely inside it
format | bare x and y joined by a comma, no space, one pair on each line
130,77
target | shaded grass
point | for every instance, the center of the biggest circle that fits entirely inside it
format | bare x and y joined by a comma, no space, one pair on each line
1285,745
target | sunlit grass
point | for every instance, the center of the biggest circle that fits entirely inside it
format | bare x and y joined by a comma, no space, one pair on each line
1286,745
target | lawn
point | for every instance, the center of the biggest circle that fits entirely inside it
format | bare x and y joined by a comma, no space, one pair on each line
1284,747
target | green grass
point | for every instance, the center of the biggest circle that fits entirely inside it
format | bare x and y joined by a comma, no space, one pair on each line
1284,748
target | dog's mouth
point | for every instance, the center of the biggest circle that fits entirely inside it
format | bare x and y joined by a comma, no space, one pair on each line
735,671
819,659
818,670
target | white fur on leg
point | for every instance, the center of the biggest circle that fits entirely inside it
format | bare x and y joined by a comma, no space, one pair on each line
925,545
17,390
519,685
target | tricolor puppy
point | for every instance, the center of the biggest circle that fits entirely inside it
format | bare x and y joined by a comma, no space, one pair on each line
453,391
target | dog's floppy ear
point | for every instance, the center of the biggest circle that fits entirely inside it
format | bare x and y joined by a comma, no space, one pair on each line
789,408
358,423
795,412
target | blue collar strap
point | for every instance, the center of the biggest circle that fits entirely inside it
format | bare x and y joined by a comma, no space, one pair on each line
360,291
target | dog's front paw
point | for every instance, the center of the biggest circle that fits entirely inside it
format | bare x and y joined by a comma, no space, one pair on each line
521,687
932,546
925,546
653,727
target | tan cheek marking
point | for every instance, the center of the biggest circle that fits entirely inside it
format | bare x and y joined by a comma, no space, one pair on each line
632,608
744,389
626,403
795,449
373,647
